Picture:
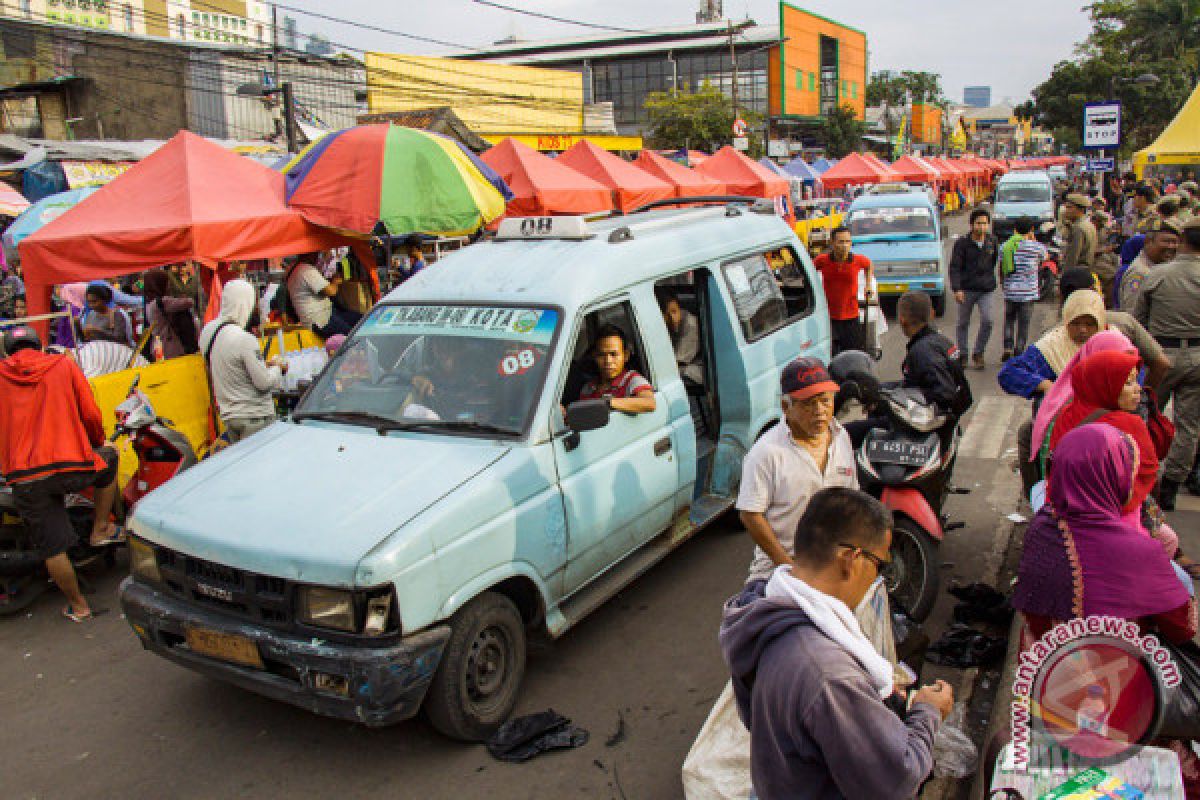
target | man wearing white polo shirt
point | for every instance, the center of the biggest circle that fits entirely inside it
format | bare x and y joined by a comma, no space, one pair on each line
808,450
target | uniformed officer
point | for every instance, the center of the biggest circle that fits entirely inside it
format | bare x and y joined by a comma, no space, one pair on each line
1169,306
1162,242
1081,246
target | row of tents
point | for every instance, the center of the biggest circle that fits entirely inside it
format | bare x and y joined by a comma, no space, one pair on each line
588,179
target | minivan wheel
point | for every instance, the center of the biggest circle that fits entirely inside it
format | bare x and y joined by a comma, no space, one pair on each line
476,684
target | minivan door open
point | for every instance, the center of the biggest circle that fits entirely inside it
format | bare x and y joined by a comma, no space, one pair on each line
619,482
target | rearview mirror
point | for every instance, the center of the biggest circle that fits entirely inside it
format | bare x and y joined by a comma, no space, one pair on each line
587,415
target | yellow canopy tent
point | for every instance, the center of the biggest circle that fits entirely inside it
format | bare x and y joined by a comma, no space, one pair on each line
1179,143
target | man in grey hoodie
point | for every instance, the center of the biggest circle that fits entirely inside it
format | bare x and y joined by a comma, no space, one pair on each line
242,381
809,686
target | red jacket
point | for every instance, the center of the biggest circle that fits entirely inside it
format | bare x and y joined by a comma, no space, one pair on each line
49,420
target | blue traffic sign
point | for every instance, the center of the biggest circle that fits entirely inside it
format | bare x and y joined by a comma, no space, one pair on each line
1101,165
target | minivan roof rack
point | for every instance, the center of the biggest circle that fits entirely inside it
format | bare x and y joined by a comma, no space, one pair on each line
729,199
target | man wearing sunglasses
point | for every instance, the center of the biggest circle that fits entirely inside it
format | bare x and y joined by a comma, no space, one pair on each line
809,685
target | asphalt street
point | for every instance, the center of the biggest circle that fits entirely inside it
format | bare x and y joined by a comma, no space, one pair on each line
88,714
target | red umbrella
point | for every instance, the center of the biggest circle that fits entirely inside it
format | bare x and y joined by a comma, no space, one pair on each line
631,187
687,182
542,186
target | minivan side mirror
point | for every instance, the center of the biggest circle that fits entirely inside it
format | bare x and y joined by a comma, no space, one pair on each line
587,415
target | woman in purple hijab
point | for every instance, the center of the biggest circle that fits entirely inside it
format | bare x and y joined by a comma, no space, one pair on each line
1082,559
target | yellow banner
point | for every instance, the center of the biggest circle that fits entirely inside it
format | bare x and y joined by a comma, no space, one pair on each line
92,173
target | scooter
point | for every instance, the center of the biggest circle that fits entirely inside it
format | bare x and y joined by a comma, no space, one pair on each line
907,466
162,454
1049,271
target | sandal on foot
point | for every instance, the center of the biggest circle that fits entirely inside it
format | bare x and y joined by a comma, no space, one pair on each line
75,616
116,537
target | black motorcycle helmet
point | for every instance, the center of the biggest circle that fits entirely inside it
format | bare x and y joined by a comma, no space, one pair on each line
22,337
853,372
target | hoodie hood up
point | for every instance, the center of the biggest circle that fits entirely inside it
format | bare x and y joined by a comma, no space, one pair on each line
238,299
28,367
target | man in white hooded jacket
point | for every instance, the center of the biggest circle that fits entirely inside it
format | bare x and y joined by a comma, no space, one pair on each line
242,381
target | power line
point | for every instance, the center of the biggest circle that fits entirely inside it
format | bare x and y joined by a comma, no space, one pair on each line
375,28
553,18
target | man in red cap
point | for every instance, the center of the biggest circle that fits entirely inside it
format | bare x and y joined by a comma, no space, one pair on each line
806,452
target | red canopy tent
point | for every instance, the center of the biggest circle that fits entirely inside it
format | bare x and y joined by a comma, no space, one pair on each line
889,174
687,182
854,169
915,170
190,200
631,187
542,186
743,176
954,176
696,157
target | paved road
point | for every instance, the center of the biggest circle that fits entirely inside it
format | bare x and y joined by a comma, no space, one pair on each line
88,714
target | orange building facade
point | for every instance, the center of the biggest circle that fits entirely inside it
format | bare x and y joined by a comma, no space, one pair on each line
821,65
926,124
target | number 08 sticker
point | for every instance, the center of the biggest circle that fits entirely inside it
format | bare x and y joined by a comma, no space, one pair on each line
518,363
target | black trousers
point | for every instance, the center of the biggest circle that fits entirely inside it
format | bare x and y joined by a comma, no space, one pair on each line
847,335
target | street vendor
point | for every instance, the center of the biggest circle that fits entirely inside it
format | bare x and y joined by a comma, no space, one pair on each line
312,296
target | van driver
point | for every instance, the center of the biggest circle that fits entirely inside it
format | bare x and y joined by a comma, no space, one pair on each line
625,389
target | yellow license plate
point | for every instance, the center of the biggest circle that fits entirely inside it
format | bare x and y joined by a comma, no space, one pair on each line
224,646
893,288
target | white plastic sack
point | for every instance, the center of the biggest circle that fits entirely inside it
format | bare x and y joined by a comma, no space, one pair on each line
718,765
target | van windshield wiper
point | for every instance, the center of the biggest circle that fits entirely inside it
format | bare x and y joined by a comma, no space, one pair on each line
364,418
458,425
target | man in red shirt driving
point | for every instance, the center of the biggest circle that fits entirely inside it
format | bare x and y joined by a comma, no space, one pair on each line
839,275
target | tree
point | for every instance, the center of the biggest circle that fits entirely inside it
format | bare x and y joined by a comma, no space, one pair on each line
886,88
700,119
1129,38
842,131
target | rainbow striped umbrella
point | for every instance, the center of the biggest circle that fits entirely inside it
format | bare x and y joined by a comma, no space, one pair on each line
409,181
11,201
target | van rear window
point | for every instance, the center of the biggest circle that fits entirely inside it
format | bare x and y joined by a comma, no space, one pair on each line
1023,193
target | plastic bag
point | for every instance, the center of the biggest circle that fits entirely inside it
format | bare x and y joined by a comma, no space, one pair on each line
718,765
954,754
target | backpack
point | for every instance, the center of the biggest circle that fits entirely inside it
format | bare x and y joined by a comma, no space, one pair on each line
963,399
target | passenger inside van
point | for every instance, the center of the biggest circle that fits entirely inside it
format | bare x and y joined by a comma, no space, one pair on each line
685,335
626,389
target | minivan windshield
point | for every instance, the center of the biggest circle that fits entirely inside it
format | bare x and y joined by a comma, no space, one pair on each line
457,368
892,223
1023,193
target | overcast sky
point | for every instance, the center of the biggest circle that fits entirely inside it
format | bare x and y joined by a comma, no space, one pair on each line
1009,45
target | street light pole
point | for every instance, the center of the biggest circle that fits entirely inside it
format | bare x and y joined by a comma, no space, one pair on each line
289,117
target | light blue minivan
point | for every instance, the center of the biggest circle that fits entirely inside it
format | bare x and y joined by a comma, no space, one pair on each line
439,494
902,235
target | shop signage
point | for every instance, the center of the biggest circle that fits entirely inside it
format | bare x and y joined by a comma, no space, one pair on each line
92,173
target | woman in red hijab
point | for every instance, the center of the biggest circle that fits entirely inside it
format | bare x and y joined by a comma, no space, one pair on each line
1107,391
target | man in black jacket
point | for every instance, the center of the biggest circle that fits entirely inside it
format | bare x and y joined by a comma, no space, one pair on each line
931,366
973,281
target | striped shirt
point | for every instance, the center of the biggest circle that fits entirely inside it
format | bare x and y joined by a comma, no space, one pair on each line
102,358
1021,285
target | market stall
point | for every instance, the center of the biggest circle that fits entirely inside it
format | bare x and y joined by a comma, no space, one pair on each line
916,170
1178,146
687,182
854,169
631,187
743,176
541,186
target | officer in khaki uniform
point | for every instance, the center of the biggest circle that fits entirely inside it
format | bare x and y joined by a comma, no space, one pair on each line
1168,304
1081,245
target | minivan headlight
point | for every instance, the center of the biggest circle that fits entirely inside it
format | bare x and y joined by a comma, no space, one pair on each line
327,608
929,267
142,561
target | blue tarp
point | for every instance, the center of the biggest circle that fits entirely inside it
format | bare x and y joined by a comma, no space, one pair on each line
822,164
43,180
799,168
771,165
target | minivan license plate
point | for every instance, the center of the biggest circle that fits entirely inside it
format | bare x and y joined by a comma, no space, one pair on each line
224,646
909,454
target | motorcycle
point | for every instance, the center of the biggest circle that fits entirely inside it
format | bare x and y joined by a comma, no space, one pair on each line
1049,271
162,454
907,466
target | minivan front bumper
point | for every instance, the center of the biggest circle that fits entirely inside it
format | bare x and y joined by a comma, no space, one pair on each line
375,686
896,285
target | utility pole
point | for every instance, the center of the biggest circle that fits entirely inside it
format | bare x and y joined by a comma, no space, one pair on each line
733,59
275,43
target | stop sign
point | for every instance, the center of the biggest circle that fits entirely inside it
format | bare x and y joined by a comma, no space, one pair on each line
739,127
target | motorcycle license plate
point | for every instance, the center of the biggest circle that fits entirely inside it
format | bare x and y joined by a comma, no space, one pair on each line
223,646
909,454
